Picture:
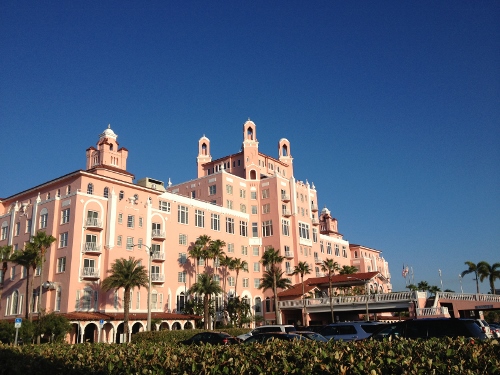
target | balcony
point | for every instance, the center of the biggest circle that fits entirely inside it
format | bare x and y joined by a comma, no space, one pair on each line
157,278
289,270
318,260
91,247
315,221
285,197
320,274
90,273
288,254
286,213
314,207
158,234
158,257
93,224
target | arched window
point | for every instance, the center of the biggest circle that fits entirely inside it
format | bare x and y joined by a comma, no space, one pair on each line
250,133
203,149
58,299
284,150
90,188
253,175
258,304
106,192
180,302
14,306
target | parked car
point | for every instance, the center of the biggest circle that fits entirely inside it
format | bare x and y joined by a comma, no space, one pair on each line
317,329
432,327
485,327
350,331
269,328
495,330
311,335
269,336
213,338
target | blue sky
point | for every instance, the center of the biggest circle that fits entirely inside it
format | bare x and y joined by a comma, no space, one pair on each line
392,108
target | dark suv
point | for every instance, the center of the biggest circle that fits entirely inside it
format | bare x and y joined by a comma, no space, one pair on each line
432,327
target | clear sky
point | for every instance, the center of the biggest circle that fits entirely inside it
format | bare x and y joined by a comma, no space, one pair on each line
391,107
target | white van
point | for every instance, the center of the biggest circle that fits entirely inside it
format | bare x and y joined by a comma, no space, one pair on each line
269,328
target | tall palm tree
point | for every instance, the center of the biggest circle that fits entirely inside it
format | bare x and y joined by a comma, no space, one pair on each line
271,259
29,258
196,253
206,286
412,287
472,269
225,262
490,272
42,242
126,274
302,269
423,286
330,266
348,270
273,279
237,265
206,253
215,250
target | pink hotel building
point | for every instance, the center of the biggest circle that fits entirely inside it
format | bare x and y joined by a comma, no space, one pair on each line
248,199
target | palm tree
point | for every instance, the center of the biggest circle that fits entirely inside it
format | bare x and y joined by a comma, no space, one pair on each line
206,286
472,269
204,242
196,253
41,241
490,272
215,250
412,287
237,265
348,270
302,269
225,262
126,274
28,258
433,289
423,286
273,279
330,266
271,259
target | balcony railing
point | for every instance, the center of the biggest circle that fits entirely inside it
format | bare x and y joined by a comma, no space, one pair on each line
158,256
318,260
430,311
288,254
289,270
315,221
93,223
158,233
320,274
285,197
157,277
286,213
90,272
91,247
314,206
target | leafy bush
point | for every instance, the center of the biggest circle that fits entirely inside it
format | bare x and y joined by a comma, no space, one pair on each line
174,337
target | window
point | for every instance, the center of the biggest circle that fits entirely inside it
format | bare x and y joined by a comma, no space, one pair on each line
182,258
58,298
245,282
321,246
285,227
212,190
256,266
199,218
193,194
121,195
12,272
215,222
266,208
243,208
90,189
17,228
181,277
140,221
24,272
43,220
229,204
267,228
265,193
182,239
130,221
258,301
120,218
14,303
230,280
65,216
164,206
28,226
61,264
63,239
139,243
106,192
68,190
182,214
255,230
254,210
130,243
304,230
243,228
119,241
253,195
155,248
229,189
329,248
243,193
230,225
337,251
344,252
315,235
302,211
230,247
244,250
255,251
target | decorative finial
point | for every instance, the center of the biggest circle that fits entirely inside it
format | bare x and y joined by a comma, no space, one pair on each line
109,126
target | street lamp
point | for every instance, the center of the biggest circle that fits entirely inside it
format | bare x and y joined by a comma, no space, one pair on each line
367,317
151,252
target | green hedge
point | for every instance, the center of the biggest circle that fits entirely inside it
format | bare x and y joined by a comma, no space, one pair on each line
179,335
445,356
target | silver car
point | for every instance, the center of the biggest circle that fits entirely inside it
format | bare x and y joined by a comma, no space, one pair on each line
350,331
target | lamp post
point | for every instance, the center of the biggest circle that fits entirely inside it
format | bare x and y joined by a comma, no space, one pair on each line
460,279
367,317
151,252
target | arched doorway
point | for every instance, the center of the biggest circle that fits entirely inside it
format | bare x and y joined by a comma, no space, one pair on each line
164,326
188,325
137,327
90,333
176,326
119,333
